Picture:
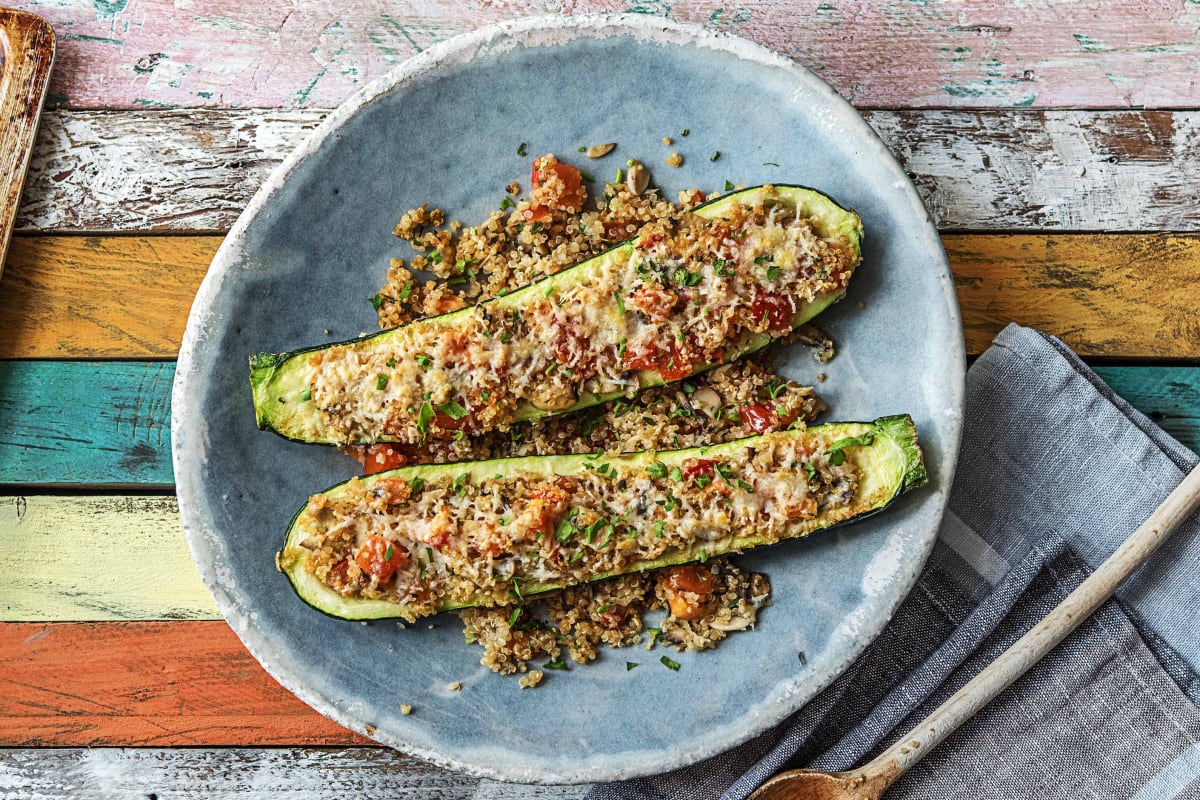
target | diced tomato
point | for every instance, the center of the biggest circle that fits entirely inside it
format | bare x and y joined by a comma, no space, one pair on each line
689,578
692,198
699,467
380,558
684,581
382,457
538,214
670,365
777,310
572,350
573,193
649,240
654,301
449,423
759,417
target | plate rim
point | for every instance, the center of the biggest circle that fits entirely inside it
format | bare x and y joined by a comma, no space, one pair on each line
459,49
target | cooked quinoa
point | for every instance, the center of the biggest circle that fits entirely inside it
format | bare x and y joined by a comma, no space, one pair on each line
537,237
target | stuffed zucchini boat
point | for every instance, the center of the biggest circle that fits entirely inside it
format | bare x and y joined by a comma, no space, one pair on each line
418,540
683,296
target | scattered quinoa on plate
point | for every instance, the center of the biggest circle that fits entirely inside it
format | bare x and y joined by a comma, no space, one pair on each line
528,238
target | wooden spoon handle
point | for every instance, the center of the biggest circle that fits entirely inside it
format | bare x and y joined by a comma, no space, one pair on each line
1040,639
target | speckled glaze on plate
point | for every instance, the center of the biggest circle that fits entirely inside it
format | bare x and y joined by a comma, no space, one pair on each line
313,246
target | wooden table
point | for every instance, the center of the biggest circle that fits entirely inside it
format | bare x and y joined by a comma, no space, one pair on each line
1057,146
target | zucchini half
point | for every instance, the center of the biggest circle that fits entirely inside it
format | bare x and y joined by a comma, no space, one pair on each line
890,465
281,382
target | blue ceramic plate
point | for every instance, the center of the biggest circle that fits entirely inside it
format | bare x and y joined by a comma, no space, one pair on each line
444,127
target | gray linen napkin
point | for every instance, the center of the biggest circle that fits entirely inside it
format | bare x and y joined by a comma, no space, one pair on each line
1055,472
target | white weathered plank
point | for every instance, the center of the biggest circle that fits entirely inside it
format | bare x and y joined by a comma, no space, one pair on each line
978,170
97,558
350,773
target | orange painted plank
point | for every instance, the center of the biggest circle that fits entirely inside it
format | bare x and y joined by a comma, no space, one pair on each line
1124,295
100,297
145,684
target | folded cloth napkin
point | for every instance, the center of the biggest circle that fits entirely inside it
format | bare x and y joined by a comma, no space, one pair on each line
1055,472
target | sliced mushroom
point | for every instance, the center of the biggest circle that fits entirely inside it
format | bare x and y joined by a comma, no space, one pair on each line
601,150
638,177
706,400
551,400
735,624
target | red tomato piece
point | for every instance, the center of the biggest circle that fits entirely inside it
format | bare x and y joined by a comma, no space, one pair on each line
380,558
382,457
760,417
670,365
777,310
573,193
689,578
701,466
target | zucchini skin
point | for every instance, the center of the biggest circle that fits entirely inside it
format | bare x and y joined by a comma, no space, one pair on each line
277,379
894,460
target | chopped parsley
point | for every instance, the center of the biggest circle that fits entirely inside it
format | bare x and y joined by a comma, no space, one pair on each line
587,176
507,203
630,666
387,554
516,614
686,278
657,470
521,149
658,528
452,410
557,664
836,450
405,292
424,417
391,362
424,361
306,395
620,303
676,474
773,272
416,484
669,664
716,154
381,382
377,301
775,387
728,186
686,131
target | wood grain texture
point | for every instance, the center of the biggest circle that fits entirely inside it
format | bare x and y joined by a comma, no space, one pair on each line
971,53
85,422
977,170
1130,296
97,558
100,297
26,54
145,684
293,773
1126,295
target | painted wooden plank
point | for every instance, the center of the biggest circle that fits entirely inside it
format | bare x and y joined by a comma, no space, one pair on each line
145,684
295,773
97,558
1116,295
102,558
85,422
978,170
1104,295
100,297
970,53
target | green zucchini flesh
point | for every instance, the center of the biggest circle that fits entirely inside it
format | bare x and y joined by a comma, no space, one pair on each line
405,383
634,531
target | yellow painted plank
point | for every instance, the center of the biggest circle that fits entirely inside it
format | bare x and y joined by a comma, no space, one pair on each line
97,558
1126,295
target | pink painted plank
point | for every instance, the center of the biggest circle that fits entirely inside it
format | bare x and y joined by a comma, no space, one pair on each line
892,53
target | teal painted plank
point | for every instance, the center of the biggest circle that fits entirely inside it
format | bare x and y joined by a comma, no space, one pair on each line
104,423
1168,395
107,423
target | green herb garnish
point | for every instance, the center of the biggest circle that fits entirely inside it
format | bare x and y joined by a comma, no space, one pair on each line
521,149
381,381
657,470
669,664
452,410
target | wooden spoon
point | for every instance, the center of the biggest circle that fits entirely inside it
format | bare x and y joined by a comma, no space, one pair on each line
872,780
